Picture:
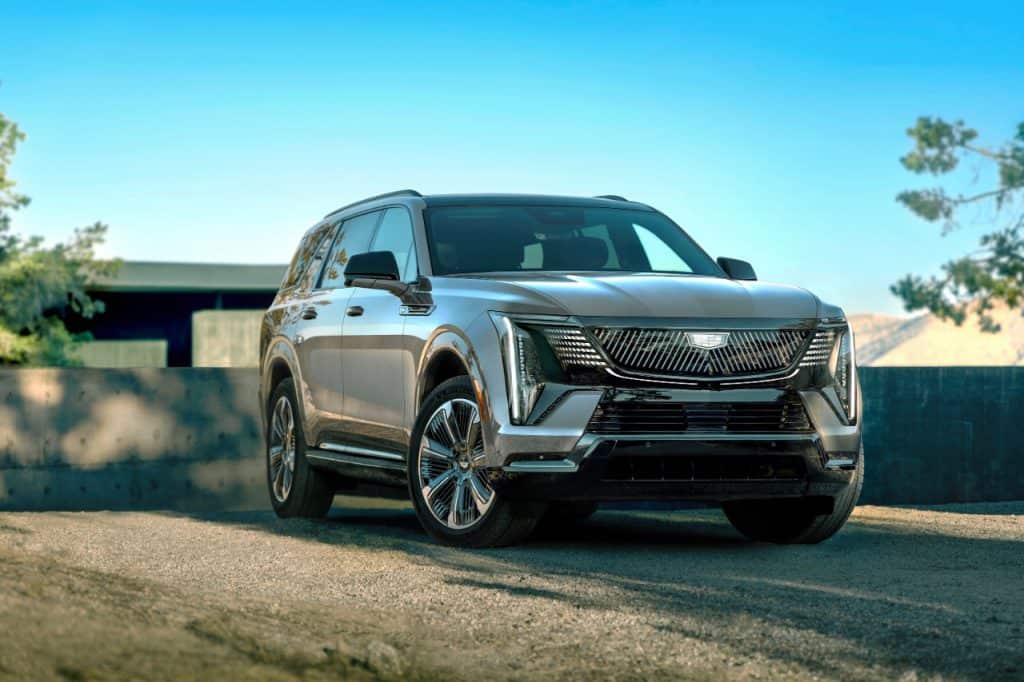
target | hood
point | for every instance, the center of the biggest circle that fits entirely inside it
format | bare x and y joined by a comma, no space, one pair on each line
646,295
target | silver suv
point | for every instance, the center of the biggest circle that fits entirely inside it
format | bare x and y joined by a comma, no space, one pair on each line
509,360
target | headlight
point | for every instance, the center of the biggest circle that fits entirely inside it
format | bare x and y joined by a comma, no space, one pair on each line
523,374
843,367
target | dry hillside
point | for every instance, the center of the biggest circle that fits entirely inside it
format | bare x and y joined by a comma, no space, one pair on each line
886,340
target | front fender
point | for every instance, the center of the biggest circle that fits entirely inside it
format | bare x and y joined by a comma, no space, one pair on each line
478,349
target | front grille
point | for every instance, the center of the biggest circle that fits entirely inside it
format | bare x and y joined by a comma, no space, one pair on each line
820,348
660,417
706,468
674,352
572,348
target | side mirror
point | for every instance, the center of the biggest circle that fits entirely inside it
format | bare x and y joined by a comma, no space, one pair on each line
374,270
737,269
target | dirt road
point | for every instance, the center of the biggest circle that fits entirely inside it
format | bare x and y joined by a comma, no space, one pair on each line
900,593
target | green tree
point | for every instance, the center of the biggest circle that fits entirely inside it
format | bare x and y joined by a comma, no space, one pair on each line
995,272
41,285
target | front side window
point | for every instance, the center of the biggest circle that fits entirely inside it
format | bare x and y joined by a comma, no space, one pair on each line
503,238
395,235
353,238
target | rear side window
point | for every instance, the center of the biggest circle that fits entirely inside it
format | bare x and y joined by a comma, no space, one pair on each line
353,238
308,280
311,243
395,235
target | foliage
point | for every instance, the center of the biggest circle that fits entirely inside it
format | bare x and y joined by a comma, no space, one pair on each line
41,285
995,273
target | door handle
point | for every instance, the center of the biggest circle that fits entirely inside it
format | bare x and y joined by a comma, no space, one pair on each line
309,314
354,311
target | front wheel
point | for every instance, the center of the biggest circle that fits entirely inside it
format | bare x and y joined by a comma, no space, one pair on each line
794,521
448,481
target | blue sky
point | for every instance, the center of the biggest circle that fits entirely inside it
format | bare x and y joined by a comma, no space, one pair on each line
770,131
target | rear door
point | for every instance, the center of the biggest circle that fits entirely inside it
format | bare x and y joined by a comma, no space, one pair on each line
323,324
374,349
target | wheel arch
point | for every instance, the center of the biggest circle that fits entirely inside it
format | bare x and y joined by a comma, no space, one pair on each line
443,365
447,354
281,363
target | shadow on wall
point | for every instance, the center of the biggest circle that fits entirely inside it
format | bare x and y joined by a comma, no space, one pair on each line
130,439
189,438
942,434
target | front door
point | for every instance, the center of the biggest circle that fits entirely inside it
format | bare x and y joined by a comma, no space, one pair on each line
374,351
321,350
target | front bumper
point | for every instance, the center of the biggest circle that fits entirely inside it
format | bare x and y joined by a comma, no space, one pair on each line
561,458
709,469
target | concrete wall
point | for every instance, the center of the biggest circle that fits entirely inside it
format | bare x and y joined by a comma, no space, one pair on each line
120,354
130,439
943,434
226,338
190,438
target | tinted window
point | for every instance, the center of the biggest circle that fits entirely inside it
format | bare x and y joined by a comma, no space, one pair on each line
353,238
308,279
601,232
395,235
313,240
659,254
467,239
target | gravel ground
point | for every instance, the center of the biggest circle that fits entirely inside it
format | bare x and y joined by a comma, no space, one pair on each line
912,594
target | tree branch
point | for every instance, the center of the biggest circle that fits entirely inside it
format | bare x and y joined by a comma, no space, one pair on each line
960,200
987,153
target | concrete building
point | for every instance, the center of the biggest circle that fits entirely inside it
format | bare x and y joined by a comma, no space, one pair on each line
179,315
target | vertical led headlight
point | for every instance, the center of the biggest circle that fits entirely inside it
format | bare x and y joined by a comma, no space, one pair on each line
523,374
843,367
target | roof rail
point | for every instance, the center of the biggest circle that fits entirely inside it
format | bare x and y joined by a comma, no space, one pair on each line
397,193
613,197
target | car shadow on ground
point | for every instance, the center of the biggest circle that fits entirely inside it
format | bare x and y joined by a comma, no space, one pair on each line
906,596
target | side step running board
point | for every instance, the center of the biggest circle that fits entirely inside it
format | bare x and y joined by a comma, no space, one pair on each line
329,453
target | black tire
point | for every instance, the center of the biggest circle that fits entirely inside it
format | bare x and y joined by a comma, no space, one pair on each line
793,521
566,514
311,491
505,522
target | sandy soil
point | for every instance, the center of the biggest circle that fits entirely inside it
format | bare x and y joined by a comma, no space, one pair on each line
919,594
924,340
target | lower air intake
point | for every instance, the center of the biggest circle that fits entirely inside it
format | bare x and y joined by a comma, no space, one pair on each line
725,468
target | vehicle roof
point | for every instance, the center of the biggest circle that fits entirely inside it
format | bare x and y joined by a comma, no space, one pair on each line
529,200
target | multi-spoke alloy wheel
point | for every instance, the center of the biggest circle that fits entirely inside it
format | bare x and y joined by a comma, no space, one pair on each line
451,454
296,488
282,449
454,498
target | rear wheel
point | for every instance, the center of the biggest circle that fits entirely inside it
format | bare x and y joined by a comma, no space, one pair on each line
795,521
448,481
296,488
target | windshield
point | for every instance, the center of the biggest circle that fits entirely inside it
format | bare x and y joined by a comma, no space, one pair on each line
479,239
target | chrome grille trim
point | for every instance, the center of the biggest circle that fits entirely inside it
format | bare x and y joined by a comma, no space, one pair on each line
668,352
572,348
820,348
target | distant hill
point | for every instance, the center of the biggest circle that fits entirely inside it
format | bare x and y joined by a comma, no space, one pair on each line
923,340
